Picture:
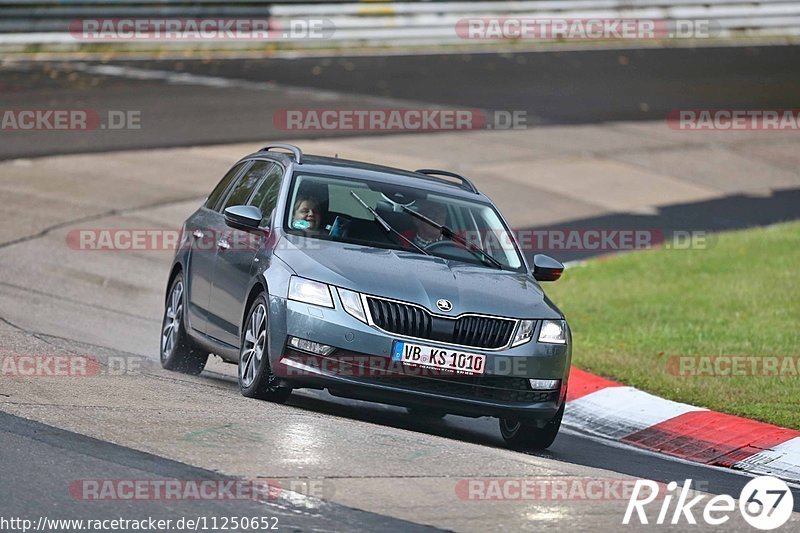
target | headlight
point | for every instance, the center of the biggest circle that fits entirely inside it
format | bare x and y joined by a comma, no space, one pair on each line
352,304
524,332
553,332
310,292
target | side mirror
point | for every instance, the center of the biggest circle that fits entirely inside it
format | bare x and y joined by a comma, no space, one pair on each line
244,217
545,268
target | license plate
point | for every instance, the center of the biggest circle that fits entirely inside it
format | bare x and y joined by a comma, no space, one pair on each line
443,359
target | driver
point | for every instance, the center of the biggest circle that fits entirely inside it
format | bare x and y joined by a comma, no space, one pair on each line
422,234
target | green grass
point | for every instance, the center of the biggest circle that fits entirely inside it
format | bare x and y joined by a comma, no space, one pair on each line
630,313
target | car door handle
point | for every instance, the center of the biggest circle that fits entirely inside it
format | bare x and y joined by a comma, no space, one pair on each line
197,234
223,244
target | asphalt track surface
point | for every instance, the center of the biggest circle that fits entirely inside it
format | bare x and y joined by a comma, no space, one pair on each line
66,457
558,87
569,87
236,100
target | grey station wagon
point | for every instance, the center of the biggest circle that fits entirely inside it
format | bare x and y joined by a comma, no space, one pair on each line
375,283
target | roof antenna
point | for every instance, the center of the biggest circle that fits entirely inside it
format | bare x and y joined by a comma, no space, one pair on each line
336,156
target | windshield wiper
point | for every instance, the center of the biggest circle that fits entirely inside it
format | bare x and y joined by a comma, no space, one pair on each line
453,236
385,225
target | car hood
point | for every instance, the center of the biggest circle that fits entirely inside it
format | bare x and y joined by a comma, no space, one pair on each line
414,277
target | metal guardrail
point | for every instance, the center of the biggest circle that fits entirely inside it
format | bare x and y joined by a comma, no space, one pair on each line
381,23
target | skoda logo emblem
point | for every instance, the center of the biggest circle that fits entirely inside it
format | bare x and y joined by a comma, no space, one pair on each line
444,305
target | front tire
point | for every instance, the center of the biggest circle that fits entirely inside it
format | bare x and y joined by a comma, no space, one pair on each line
256,379
525,435
178,351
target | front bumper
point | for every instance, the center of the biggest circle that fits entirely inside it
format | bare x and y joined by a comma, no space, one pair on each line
361,368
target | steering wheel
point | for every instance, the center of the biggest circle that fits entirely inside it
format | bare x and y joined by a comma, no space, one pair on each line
452,250
444,243
449,249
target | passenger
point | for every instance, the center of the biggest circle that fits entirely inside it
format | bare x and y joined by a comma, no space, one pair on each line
307,214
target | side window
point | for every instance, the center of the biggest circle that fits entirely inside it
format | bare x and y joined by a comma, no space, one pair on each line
223,185
246,184
266,196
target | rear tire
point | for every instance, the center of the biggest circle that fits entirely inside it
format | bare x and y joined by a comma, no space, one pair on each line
526,435
256,379
178,351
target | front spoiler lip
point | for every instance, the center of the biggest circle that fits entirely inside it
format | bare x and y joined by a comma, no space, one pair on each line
354,387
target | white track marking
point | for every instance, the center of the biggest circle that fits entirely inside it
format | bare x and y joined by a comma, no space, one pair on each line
672,458
220,82
782,461
616,412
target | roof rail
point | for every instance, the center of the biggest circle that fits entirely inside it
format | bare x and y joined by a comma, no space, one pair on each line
465,183
298,153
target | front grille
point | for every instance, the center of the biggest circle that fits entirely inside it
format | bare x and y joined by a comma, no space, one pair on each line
400,318
412,321
482,331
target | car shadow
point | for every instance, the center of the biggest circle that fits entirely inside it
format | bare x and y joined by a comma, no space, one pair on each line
692,225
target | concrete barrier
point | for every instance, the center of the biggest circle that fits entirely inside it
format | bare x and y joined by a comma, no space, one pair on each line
410,22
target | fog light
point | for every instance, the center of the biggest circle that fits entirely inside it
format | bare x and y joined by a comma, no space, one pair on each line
545,384
310,346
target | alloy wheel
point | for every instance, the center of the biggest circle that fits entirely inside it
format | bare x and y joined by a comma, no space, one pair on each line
254,346
173,315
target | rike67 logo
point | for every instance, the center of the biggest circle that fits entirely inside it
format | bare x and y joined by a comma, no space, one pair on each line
765,503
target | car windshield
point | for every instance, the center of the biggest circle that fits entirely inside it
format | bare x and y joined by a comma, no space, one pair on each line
333,208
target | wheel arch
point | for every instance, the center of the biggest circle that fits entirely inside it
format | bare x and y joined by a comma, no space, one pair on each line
177,268
258,287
